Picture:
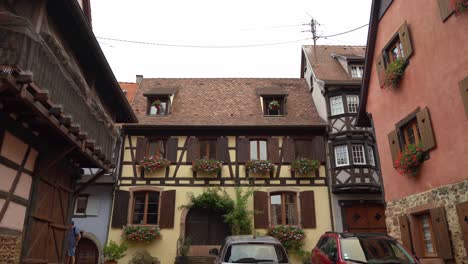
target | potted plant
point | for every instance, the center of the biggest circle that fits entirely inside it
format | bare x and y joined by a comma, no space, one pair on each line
208,166
184,247
304,166
261,167
274,105
290,236
153,163
141,233
113,252
394,73
409,160
143,257
156,103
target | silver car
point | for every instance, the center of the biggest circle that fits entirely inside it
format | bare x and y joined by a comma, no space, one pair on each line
250,249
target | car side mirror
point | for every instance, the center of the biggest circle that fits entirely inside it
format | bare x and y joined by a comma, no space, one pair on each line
214,252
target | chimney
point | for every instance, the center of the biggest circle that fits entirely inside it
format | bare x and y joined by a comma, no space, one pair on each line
139,78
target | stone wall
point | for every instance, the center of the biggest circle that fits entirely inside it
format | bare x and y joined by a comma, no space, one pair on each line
10,249
447,196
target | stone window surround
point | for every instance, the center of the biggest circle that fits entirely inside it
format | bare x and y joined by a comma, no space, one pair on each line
140,189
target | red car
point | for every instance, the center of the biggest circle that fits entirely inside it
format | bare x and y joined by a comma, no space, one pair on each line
347,248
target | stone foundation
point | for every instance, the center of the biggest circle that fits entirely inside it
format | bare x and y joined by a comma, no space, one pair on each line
10,249
447,196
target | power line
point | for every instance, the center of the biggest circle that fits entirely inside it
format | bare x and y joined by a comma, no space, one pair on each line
342,33
201,46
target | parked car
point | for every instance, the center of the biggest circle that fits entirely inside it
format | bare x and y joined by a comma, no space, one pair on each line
346,248
250,249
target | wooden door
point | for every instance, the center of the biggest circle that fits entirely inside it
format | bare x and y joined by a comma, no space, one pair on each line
365,218
86,252
206,227
49,218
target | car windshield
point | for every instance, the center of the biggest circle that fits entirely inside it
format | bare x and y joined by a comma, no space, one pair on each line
374,250
255,253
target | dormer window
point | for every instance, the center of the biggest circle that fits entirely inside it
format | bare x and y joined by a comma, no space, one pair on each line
357,71
158,105
274,105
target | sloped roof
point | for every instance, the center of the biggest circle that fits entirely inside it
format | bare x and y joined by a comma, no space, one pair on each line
226,102
328,68
130,89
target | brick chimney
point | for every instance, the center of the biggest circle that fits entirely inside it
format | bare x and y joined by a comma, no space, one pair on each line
139,78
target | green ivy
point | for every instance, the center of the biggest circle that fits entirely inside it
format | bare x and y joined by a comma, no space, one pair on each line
212,198
114,251
240,218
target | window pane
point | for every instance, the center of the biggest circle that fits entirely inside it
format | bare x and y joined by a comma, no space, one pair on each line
153,110
81,205
275,209
358,154
291,212
152,219
253,150
353,103
153,197
370,153
263,150
336,105
341,155
138,218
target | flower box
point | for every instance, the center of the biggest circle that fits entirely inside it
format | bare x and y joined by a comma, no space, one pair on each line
152,163
207,167
141,233
274,105
394,73
259,168
409,161
290,236
304,167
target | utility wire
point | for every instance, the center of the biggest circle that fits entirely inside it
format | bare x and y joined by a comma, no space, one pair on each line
201,46
342,33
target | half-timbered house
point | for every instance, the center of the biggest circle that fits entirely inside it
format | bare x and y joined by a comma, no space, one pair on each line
334,75
228,120
59,102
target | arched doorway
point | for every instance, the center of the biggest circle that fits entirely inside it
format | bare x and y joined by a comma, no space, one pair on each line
86,252
206,227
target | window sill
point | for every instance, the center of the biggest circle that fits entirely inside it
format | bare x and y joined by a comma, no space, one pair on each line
143,225
274,115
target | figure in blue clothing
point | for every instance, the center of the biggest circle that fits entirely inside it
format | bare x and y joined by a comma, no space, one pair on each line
73,237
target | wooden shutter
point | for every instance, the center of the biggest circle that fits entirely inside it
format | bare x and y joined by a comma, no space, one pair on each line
462,211
141,148
380,66
120,211
167,209
260,209
193,149
319,149
308,209
405,39
171,149
416,234
243,149
394,145
285,106
445,9
441,233
273,150
222,153
464,94
425,129
289,153
405,232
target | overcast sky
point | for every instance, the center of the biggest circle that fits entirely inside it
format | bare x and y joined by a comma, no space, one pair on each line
220,23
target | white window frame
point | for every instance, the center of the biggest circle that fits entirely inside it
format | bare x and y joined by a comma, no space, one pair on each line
370,153
358,154
336,105
341,152
357,71
84,197
353,103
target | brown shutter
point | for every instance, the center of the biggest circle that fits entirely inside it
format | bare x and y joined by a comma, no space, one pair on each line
243,149
380,66
405,40
285,106
464,94
462,211
441,233
289,153
445,9
308,209
141,148
120,211
167,209
416,234
222,149
394,145
260,209
405,232
193,149
425,129
171,149
319,149
273,150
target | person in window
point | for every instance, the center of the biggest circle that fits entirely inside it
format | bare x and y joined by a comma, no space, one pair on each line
73,237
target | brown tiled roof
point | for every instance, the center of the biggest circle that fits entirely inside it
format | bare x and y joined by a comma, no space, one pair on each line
226,102
327,68
130,88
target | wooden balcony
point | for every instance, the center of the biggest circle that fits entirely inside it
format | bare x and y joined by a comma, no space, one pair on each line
355,179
